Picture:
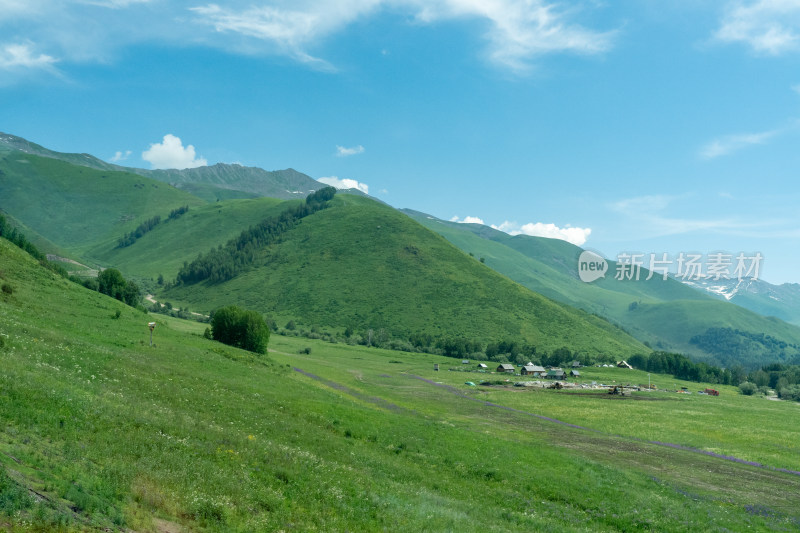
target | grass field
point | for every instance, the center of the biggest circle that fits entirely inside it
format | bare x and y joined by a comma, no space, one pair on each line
100,431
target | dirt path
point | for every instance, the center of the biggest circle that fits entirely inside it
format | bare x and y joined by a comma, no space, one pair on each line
89,270
380,402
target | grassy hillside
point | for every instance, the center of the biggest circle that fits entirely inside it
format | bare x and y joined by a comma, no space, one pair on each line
664,313
549,266
165,248
365,265
81,209
284,184
101,432
683,320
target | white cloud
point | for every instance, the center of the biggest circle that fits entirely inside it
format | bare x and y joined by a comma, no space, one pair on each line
733,143
21,56
768,26
576,236
172,154
341,151
467,220
346,183
115,4
120,156
519,30
292,31
516,32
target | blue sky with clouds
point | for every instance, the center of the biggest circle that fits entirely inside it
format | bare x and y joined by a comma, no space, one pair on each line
636,125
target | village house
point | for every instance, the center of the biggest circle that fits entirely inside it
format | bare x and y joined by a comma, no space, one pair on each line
556,373
533,370
505,367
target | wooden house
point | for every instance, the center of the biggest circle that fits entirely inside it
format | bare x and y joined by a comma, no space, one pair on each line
533,370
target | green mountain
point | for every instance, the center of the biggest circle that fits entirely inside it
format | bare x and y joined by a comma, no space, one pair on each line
362,264
82,210
666,314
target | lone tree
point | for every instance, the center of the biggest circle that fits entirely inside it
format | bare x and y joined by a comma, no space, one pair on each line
239,327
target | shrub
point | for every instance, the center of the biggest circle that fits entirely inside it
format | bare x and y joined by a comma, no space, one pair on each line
239,327
747,388
790,392
7,289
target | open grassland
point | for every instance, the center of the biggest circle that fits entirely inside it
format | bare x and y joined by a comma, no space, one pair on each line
100,431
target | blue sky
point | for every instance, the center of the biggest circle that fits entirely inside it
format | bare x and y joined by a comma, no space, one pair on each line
628,126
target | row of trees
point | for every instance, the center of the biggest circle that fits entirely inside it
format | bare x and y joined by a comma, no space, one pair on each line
148,225
775,374
730,344
177,213
133,236
682,367
16,237
225,262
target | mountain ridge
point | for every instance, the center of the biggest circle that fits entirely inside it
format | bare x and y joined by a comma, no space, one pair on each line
284,184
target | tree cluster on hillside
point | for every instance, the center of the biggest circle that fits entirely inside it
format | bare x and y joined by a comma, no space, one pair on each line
133,236
17,238
177,213
111,283
239,327
148,225
684,368
226,261
729,344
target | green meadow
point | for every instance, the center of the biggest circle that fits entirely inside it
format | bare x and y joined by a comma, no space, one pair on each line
101,431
